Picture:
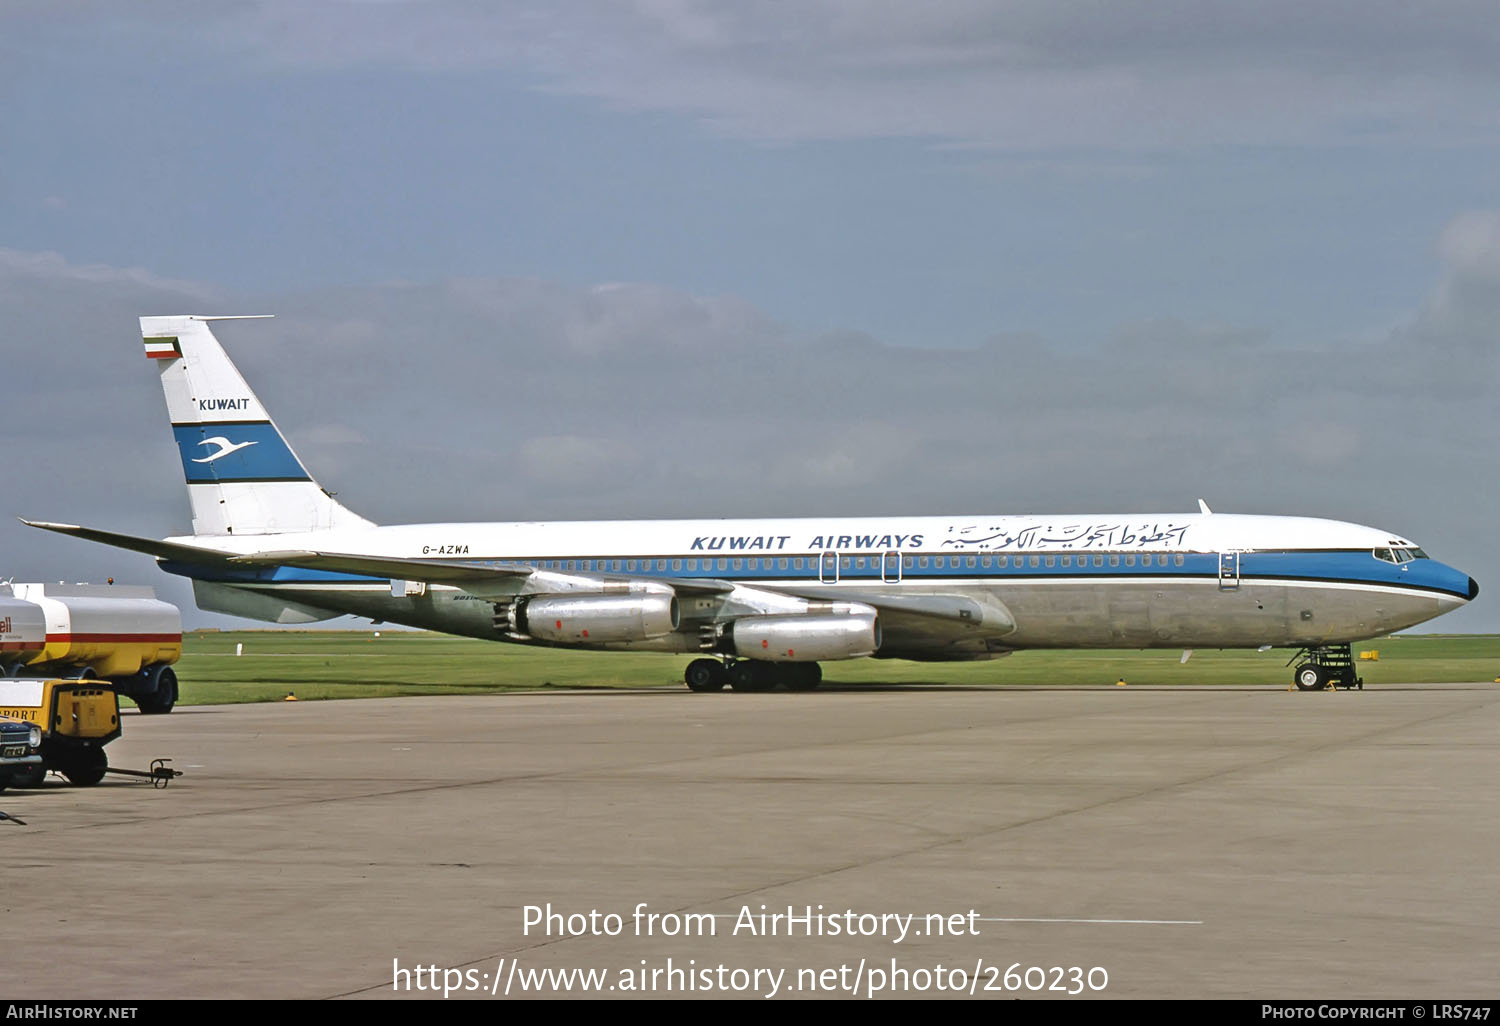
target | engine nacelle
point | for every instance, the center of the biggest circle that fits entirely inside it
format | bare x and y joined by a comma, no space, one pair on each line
804,639
593,619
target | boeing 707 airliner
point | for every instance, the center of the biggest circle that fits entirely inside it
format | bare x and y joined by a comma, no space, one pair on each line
762,602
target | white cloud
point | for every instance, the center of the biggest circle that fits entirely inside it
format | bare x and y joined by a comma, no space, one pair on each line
1462,317
1470,244
1017,75
19,269
1014,75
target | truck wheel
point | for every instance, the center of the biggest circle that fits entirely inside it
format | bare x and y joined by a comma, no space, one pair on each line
86,767
163,697
28,776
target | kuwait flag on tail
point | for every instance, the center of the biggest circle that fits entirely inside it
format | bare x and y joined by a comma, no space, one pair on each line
163,348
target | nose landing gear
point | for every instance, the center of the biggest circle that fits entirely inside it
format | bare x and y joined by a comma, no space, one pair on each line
1324,666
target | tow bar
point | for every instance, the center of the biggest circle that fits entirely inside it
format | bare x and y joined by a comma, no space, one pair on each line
160,774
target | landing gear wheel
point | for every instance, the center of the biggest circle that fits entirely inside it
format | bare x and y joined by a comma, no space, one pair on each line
748,675
28,777
705,675
1311,677
164,696
86,766
803,676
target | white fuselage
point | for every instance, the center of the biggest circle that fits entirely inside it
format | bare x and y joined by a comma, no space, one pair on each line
1183,580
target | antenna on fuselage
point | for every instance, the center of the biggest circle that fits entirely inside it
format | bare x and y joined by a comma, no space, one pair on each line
1203,507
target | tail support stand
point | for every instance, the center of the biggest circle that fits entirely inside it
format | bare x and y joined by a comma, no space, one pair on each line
1325,666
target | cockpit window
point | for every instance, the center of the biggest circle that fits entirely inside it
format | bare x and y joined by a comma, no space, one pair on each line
1399,554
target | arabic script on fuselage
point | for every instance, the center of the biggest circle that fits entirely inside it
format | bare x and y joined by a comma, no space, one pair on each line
1124,534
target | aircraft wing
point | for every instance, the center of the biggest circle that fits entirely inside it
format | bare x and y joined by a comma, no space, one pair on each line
958,608
470,576
953,616
963,614
433,571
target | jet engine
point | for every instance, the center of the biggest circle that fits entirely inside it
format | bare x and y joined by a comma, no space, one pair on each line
591,619
803,639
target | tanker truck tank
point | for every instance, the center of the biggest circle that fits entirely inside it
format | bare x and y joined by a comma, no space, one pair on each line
23,634
100,632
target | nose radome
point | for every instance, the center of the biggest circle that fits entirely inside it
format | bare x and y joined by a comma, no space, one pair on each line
1473,589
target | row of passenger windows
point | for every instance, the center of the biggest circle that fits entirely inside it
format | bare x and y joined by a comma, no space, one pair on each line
868,563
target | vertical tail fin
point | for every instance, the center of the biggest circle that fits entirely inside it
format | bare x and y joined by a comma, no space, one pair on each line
242,477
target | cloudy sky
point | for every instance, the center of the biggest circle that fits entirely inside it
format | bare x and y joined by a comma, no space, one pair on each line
718,258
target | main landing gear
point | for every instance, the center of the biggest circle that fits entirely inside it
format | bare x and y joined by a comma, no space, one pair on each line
751,675
1325,666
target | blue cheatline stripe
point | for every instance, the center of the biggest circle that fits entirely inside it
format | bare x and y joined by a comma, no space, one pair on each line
235,451
1338,567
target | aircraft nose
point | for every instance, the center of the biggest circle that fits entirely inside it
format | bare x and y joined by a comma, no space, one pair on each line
1473,589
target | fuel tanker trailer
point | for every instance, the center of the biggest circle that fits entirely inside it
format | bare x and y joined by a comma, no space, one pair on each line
23,632
96,632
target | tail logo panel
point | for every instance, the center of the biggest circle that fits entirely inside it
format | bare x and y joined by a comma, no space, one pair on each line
225,448
249,451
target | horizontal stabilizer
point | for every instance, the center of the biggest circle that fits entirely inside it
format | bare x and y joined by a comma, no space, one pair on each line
150,546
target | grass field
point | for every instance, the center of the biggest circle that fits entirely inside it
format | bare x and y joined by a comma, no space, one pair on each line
356,664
